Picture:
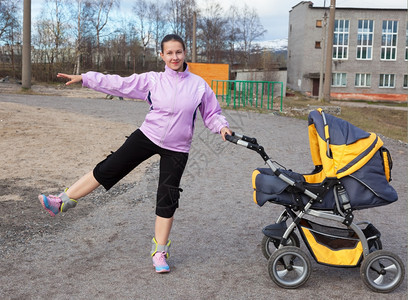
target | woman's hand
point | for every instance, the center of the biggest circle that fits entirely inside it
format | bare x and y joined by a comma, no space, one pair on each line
224,131
72,78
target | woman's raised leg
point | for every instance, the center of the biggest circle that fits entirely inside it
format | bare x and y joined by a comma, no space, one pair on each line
83,186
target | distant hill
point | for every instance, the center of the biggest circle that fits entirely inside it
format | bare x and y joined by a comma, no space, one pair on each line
279,45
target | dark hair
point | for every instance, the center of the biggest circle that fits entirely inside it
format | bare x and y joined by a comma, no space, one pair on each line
172,37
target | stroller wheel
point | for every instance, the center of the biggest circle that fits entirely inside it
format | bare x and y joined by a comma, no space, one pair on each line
289,267
269,245
382,271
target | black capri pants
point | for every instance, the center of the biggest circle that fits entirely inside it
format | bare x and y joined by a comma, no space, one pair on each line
136,149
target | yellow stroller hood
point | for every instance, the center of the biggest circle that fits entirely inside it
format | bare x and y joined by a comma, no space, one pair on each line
342,153
338,146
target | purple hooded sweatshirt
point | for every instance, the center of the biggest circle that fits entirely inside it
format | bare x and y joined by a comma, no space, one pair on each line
174,98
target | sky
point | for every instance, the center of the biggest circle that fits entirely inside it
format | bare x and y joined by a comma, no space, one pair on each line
274,14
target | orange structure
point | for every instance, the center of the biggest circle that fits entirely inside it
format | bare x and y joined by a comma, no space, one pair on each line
210,72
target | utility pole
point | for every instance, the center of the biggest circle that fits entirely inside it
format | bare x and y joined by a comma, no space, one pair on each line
329,52
194,54
26,68
324,38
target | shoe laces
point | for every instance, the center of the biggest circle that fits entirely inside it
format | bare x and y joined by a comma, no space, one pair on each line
54,202
161,257
55,198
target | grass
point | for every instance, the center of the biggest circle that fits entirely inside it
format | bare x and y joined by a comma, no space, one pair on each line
370,117
390,123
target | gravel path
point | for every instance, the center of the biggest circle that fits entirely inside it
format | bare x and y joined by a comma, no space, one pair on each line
100,249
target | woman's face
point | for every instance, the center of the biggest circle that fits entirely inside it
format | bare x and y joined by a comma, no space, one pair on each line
173,55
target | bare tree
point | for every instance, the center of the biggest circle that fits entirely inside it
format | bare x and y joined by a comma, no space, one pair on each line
43,42
8,15
212,26
81,13
190,7
57,26
181,14
115,52
159,28
60,39
233,32
251,29
50,39
175,8
10,30
144,25
100,15
14,38
134,46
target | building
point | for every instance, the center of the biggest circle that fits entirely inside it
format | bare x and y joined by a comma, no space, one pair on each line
10,52
370,52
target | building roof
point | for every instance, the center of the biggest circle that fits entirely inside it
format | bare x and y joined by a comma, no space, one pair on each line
311,5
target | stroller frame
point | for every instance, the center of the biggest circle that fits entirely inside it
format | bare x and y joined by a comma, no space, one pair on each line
288,266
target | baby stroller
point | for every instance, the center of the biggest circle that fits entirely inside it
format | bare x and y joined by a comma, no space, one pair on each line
352,172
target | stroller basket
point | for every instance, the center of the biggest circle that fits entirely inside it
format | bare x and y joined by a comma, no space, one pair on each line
334,246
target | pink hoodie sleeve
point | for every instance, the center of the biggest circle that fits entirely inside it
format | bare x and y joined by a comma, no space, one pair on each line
134,86
211,111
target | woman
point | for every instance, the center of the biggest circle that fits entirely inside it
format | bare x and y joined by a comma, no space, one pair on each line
174,96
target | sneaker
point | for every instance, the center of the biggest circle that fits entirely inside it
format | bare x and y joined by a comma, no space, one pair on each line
159,262
51,203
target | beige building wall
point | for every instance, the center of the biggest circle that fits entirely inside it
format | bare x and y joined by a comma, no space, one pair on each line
305,56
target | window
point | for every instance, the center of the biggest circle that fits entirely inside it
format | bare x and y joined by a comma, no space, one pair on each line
389,40
318,45
365,39
406,43
387,80
363,80
319,23
405,81
340,39
339,79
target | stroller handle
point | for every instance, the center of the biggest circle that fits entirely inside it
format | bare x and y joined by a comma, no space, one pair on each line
248,142
240,139
252,144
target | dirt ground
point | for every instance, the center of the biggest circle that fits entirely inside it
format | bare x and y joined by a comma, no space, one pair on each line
100,249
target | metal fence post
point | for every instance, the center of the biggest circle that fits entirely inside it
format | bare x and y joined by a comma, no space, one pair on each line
273,90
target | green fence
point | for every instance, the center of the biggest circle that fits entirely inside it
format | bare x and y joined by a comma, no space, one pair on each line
248,93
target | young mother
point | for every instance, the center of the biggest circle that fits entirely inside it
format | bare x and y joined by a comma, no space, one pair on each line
174,96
